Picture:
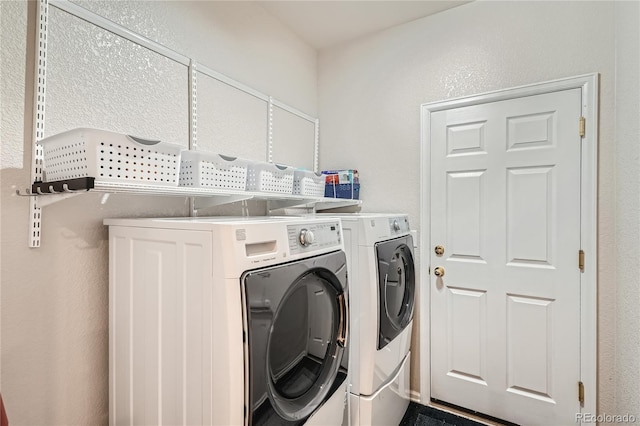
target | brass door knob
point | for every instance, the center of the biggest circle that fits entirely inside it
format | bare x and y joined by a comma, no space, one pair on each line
439,250
439,271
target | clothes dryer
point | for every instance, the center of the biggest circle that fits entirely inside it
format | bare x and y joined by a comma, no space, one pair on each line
227,321
382,286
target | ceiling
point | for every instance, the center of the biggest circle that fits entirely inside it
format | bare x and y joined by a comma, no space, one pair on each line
326,23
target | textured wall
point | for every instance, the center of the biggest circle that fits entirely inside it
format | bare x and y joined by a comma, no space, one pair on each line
12,57
293,134
235,38
223,126
54,317
628,207
244,42
129,88
371,90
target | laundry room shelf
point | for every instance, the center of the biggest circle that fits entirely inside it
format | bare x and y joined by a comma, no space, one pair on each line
52,192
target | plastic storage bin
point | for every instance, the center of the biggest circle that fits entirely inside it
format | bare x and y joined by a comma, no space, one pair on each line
210,170
308,183
342,184
269,177
110,156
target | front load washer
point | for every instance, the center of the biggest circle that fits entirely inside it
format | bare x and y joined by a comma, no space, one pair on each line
382,286
227,321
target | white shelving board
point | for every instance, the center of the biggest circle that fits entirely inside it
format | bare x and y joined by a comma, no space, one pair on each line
204,197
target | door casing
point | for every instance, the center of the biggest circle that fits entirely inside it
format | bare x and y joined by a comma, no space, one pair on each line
588,223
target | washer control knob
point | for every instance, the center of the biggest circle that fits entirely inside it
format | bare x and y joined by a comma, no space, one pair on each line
306,237
396,226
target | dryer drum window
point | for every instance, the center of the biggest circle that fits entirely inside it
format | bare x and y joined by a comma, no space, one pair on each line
296,325
396,285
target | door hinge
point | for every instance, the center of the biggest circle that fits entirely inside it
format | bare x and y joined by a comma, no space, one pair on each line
581,392
583,126
581,260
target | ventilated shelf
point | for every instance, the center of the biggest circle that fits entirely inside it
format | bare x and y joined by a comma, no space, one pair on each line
51,192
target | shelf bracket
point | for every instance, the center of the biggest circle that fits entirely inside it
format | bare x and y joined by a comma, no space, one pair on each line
283,204
338,203
52,199
218,200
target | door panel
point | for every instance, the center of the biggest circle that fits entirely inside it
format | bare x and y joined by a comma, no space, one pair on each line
466,139
467,339
465,218
505,204
530,236
529,357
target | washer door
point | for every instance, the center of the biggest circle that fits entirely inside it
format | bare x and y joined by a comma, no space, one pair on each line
296,318
396,284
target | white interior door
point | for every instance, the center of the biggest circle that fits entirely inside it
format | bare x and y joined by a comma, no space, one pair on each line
505,206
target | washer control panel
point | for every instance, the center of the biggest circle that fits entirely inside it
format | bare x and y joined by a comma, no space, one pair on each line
399,225
309,236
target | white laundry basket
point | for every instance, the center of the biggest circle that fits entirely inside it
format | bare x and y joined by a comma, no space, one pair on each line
269,177
110,156
211,170
308,183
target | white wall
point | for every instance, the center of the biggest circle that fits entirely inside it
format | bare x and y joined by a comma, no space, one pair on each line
370,92
54,317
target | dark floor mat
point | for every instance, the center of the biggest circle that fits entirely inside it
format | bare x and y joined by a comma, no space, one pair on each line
423,420
421,415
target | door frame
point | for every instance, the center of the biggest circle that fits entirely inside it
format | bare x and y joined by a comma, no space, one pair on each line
588,223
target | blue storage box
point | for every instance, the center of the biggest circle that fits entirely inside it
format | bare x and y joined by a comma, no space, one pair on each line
349,191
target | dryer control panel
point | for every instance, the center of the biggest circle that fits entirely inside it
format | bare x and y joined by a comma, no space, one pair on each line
307,237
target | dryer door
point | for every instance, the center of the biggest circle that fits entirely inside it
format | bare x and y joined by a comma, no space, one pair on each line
295,316
396,284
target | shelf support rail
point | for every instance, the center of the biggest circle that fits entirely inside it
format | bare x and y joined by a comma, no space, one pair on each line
316,146
270,130
37,155
193,120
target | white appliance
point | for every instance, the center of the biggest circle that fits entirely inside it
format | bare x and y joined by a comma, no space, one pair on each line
382,286
227,321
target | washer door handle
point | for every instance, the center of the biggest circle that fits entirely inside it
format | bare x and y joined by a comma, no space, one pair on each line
342,326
